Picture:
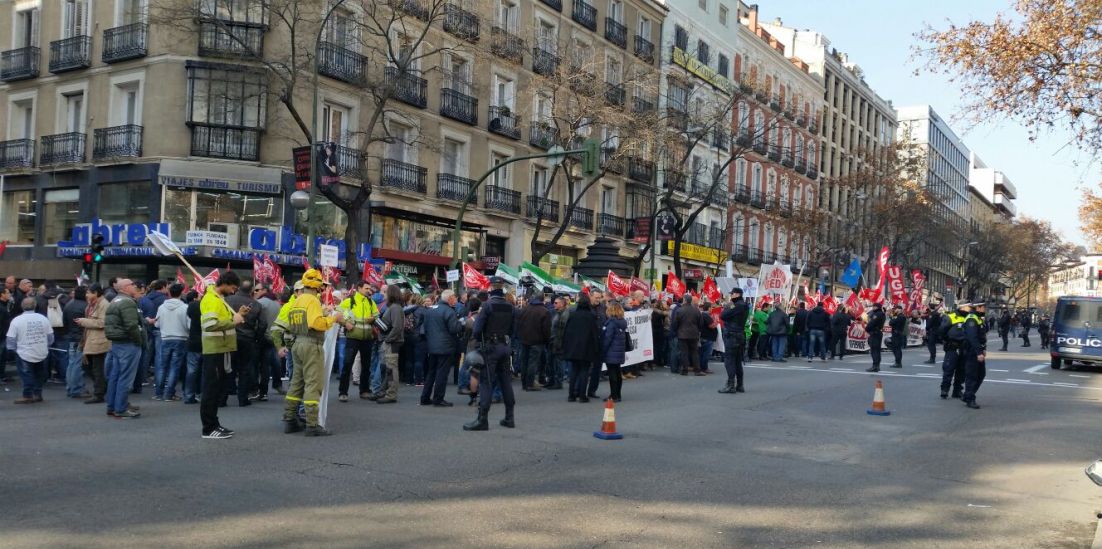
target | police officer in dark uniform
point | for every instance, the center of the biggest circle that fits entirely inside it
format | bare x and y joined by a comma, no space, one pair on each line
734,341
898,324
975,351
952,365
492,328
933,331
875,329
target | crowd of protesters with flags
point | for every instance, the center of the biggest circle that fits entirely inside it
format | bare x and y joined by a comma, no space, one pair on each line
391,330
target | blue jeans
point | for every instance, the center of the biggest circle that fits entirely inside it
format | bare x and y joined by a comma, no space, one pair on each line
780,342
705,353
58,360
171,361
674,364
339,370
33,375
191,378
148,360
803,339
377,370
817,344
74,376
121,369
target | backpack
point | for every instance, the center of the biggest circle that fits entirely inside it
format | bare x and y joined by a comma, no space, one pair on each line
54,314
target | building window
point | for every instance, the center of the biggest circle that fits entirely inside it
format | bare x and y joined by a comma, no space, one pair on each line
502,176
334,123
124,203
616,11
723,15
399,147
644,28
680,38
703,4
126,105
539,181
227,109
240,11
703,53
755,178
26,28
200,210
507,13
740,174
608,200
73,121
62,208
74,18
723,67
504,92
453,157
18,210
21,125
328,220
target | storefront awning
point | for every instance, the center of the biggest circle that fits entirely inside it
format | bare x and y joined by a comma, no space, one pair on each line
220,176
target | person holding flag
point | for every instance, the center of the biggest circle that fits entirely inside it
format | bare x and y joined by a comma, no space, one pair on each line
308,321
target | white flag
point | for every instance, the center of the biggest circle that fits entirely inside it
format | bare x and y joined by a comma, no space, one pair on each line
163,244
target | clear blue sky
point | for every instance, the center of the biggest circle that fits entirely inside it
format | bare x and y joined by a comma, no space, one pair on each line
878,36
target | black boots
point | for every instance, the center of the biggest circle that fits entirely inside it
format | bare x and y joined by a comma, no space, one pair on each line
873,369
317,431
728,389
479,424
292,426
508,421
738,388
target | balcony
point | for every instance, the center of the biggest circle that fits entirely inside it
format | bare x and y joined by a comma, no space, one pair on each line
721,139
408,87
757,199
611,162
616,32
585,15
502,199
743,139
614,94
70,54
812,172
775,105
350,162
504,122
785,208
542,135
341,63
674,180
801,121
403,176
581,218
610,225
644,49
775,153
411,7
543,209
813,127
582,82
640,105
742,195
553,4
230,39
453,187
16,154
461,23
125,42
62,148
677,118
459,106
117,142
544,62
801,166
19,64
640,169
214,141
507,45
760,147
787,162
716,237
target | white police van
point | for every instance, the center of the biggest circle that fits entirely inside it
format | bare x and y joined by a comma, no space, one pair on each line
1077,331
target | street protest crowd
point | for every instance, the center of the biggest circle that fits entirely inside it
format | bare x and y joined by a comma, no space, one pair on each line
231,339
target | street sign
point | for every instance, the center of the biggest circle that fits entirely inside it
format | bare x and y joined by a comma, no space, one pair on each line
453,275
327,255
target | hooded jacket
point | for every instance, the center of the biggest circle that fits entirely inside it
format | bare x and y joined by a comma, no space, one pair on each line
534,323
613,344
173,321
818,319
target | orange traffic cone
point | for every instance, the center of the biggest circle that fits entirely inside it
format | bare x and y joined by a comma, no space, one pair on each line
608,425
878,401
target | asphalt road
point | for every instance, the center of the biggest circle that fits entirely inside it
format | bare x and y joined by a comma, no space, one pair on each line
794,462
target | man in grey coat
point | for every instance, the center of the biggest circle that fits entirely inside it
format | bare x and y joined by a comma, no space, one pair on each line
442,326
685,324
776,326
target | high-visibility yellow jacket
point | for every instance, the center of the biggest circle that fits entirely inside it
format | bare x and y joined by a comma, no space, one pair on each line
306,316
219,335
360,311
280,330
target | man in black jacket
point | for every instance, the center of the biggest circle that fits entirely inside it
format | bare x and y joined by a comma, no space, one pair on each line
734,341
899,335
818,325
534,332
839,332
799,326
442,327
875,329
685,325
933,328
247,355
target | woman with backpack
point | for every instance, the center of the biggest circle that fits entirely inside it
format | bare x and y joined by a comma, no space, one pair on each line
614,345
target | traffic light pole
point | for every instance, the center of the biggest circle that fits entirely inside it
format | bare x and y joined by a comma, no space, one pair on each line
590,159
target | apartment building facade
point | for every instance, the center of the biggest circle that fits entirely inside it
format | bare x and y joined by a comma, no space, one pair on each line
142,120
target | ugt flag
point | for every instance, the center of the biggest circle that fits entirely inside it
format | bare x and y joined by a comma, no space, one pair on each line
853,273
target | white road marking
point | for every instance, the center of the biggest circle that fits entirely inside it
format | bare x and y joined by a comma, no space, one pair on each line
930,375
1019,382
843,369
1078,375
1003,371
1066,384
922,365
1036,369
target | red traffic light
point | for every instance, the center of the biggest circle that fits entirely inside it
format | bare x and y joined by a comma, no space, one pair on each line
87,258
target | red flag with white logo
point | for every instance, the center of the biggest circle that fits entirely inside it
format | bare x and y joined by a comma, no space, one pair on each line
675,286
711,290
616,285
473,279
853,305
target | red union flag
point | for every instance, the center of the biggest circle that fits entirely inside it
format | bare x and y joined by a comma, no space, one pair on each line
616,285
809,299
639,285
881,268
711,290
895,284
870,295
830,304
853,305
675,286
918,282
209,280
474,279
370,275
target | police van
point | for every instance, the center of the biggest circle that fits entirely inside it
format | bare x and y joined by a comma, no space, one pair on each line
1077,331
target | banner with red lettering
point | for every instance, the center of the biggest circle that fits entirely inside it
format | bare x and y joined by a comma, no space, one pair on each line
895,284
712,290
918,283
616,285
675,286
639,285
473,279
881,269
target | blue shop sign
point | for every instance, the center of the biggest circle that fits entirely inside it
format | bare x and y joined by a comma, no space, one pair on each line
116,234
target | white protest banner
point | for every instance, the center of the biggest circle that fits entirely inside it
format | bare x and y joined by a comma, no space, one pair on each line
642,338
749,287
857,339
774,280
327,255
453,275
330,353
915,334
